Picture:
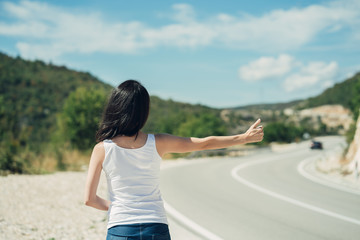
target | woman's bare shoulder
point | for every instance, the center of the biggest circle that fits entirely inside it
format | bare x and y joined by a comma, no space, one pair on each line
99,150
99,146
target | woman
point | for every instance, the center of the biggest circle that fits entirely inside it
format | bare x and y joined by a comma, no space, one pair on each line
131,160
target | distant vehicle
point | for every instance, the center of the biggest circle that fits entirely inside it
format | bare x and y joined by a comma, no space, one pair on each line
316,145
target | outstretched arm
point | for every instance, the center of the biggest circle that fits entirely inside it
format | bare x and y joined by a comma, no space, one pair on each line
166,143
92,181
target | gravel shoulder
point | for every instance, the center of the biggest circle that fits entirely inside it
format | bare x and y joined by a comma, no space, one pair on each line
51,207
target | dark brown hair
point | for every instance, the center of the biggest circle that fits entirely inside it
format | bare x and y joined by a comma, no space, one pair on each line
126,111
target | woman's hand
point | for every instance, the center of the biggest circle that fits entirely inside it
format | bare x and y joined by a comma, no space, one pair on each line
255,133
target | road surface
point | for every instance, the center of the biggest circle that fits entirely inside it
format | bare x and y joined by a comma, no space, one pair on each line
261,196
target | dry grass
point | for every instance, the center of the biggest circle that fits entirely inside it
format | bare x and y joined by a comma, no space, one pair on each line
76,160
48,162
44,163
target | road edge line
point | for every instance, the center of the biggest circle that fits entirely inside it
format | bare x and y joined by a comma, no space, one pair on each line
285,198
196,228
301,170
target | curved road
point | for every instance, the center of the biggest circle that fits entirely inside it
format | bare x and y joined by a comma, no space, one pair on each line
261,196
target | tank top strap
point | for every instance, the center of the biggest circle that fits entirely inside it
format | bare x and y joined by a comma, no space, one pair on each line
152,144
151,141
107,145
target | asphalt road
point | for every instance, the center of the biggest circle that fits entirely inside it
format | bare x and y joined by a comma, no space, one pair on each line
261,196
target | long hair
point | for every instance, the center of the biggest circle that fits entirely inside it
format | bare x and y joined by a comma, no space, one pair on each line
126,111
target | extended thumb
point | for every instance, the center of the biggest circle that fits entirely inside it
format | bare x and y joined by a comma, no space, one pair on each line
256,123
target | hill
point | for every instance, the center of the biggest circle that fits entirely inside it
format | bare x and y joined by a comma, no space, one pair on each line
270,106
32,93
346,93
33,97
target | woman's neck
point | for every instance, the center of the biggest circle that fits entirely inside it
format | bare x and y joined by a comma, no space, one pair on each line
131,142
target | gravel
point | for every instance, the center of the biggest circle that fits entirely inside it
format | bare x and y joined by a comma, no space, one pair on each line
49,207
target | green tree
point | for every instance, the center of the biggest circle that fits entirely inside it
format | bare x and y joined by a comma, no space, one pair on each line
280,132
81,115
355,102
201,126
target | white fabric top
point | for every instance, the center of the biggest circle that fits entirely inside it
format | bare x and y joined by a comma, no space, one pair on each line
133,184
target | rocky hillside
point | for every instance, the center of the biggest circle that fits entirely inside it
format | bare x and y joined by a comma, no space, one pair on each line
346,93
335,117
353,154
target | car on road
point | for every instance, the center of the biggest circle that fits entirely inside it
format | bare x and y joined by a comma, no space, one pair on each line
316,145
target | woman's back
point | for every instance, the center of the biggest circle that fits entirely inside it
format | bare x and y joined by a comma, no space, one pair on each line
133,183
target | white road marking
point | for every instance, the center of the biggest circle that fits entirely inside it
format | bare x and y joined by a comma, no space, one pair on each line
282,197
190,224
185,221
301,170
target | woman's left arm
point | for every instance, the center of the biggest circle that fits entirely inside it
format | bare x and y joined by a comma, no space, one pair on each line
93,177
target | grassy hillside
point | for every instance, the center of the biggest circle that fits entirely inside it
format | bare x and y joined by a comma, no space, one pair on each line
346,93
32,93
168,116
33,97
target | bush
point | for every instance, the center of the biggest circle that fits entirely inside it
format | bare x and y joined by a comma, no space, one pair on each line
202,126
280,132
80,117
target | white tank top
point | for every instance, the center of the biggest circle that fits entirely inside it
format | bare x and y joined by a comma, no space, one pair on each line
133,184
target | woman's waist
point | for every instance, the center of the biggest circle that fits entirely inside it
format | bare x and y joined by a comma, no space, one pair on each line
136,201
136,210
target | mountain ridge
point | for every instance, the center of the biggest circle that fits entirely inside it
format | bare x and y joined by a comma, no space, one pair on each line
21,80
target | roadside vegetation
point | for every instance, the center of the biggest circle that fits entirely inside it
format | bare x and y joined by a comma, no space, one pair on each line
49,115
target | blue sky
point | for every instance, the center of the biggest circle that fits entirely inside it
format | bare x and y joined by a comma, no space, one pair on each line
217,53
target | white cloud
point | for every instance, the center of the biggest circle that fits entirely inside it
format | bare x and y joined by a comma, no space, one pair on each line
266,67
183,13
314,73
47,31
223,17
296,74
